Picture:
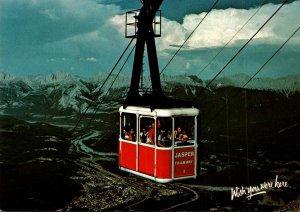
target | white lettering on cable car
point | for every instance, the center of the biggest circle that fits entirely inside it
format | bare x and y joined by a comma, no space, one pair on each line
184,154
184,158
183,162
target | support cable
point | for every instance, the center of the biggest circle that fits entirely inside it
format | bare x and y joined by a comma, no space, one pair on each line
251,78
98,92
271,57
190,35
246,103
204,68
106,94
246,107
215,77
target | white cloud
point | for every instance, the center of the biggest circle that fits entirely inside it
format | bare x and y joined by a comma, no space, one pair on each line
221,25
35,35
218,28
36,32
172,34
91,59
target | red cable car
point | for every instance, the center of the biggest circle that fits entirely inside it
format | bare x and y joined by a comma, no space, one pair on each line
158,135
159,144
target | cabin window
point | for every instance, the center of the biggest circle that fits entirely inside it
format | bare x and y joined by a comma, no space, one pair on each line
184,132
164,133
159,133
128,126
145,127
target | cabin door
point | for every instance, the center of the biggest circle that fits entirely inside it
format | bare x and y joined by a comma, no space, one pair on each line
146,150
128,141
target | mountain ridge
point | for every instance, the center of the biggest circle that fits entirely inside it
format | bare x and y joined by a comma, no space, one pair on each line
61,91
234,80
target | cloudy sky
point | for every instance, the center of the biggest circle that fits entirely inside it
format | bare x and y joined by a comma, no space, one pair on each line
84,37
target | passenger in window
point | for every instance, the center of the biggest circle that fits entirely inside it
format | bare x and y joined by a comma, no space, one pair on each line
181,135
184,136
126,135
169,134
131,135
144,135
163,139
178,134
152,132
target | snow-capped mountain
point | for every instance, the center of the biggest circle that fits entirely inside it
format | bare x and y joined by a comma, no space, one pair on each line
63,92
285,85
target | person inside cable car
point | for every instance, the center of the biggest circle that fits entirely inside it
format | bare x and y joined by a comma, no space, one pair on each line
144,135
181,137
151,139
131,135
128,135
169,134
178,134
125,133
151,134
163,139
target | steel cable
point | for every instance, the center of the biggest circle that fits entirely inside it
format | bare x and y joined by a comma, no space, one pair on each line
251,78
98,92
215,77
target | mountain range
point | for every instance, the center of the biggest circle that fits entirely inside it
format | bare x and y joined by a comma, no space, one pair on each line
243,135
62,92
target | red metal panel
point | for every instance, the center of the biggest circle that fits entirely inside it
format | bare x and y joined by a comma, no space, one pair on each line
164,164
146,159
127,155
184,162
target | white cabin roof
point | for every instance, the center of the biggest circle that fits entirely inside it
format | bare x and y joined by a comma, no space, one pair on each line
166,112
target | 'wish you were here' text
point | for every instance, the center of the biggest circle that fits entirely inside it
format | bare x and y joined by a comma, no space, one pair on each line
251,191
